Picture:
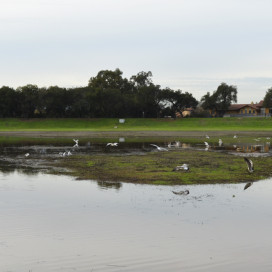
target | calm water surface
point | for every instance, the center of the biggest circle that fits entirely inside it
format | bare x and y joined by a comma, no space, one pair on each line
55,223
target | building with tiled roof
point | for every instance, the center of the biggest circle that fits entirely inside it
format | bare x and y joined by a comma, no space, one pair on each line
253,109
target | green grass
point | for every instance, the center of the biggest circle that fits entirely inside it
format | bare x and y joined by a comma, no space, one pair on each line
156,168
137,124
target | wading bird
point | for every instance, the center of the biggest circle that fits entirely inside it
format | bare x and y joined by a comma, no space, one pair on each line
159,148
220,142
186,192
250,165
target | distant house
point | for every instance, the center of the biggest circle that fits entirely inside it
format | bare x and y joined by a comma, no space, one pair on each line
185,113
248,110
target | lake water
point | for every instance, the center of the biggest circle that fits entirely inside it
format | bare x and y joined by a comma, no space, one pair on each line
56,223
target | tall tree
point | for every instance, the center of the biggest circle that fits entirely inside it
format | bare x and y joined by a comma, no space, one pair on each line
225,95
29,99
221,99
9,102
268,99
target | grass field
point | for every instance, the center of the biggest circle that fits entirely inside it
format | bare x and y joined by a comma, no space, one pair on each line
137,124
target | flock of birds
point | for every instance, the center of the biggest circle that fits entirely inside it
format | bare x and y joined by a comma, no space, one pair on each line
184,167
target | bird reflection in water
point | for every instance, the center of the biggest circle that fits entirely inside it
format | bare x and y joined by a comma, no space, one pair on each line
109,185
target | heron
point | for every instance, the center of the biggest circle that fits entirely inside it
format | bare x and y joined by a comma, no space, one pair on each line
159,148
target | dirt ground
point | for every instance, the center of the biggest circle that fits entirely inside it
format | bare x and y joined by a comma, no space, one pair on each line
111,134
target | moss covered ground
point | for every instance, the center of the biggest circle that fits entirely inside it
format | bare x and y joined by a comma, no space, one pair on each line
156,167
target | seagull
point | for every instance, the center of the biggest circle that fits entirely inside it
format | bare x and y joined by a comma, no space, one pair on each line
76,142
112,144
175,144
250,165
184,167
159,148
62,154
248,185
27,154
220,142
186,192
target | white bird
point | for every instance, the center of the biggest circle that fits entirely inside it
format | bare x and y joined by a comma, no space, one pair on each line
27,154
68,153
268,138
186,192
235,136
112,144
250,165
207,137
220,142
175,144
76,142
257,140
184,167
159,148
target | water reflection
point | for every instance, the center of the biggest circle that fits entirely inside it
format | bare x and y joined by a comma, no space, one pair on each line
60,224
109,185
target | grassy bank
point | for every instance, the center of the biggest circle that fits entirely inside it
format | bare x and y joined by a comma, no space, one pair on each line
156,168
134,124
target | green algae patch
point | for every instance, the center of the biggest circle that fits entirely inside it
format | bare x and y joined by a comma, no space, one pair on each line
157,167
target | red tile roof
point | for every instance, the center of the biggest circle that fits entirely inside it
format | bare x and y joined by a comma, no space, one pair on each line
234,107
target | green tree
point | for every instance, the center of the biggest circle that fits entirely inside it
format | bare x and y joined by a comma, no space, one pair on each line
9,102
29,96
268,99
225,95
220,100
178,101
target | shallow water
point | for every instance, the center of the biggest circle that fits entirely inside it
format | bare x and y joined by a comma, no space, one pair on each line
55,223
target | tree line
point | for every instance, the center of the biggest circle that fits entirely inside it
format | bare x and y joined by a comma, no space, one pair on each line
108,94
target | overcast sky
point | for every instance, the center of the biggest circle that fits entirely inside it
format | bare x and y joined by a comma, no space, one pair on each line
192,45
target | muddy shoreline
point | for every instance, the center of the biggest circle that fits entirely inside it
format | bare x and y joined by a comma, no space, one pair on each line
110,134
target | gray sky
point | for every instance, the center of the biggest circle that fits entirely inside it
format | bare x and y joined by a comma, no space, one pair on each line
192,45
